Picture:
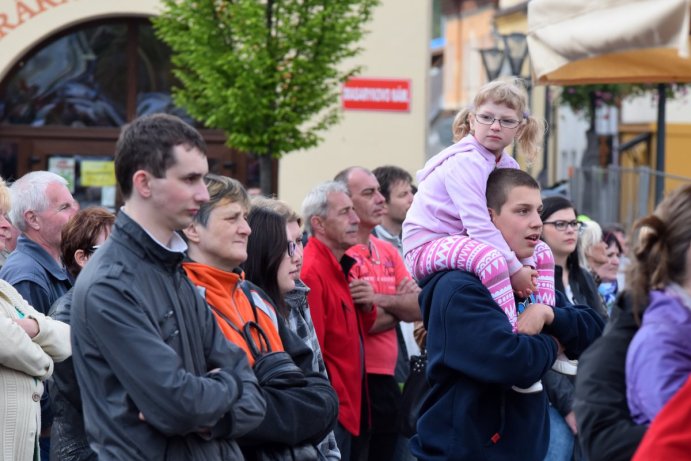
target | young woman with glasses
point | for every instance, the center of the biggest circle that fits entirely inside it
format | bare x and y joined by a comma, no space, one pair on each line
560,231
272,259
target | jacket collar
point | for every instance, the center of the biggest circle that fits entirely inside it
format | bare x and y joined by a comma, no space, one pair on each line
42,257
129,233
345,264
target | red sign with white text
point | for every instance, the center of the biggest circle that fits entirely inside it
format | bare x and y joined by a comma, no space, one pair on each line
376,94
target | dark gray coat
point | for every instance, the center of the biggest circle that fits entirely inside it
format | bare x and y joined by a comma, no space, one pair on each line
144,342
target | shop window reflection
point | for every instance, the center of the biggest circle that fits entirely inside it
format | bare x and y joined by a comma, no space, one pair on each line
76,80
155,78
80,79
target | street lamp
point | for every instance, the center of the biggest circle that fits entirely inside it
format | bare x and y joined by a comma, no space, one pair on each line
516,49
492,61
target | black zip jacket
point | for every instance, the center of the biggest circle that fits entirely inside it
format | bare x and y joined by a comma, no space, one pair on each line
145,346
606,430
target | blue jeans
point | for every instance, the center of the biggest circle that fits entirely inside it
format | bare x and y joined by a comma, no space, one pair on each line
561,439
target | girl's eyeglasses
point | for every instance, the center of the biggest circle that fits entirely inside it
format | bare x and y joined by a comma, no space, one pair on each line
504,122
562,225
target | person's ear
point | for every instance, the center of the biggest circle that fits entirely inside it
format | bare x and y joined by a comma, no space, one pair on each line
317,224
81,258
31,220
471,122
192,232
141,182
492,214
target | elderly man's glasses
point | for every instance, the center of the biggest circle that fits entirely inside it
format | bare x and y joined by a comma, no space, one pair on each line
562,225
504,122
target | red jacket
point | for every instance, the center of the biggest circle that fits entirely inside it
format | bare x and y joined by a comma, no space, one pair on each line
339,326
668,436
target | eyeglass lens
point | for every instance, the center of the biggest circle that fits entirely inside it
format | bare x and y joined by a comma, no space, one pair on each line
292,247
489,120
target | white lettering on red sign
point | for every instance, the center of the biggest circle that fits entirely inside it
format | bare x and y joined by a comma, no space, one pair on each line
376,94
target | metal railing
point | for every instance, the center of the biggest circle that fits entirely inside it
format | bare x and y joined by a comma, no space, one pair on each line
618,194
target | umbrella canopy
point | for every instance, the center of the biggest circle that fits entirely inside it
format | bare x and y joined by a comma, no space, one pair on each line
574,42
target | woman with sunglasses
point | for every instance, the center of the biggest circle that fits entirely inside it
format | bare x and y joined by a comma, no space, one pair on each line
85,232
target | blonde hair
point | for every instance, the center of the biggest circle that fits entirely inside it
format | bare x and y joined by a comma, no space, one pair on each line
5,200
510,91
277,206
590,235
662,242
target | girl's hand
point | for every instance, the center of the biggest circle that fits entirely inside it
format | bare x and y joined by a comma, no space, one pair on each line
523,281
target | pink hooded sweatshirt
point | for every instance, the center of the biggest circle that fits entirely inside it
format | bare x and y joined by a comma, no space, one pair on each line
451,199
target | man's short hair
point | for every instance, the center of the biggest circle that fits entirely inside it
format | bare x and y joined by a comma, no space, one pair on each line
277,206
502,181
222,190
81,233
388,176
29,193
343,175
147,144
316,203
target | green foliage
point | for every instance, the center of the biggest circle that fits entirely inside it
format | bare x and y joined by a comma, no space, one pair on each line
585,98
267,73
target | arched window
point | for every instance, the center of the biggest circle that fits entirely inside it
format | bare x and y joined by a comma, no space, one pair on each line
63,104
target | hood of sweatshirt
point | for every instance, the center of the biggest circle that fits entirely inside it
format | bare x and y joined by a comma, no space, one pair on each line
467,144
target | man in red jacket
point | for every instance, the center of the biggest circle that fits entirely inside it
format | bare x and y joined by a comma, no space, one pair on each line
333,224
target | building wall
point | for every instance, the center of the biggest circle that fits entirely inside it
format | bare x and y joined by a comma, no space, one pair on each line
398,48
466,33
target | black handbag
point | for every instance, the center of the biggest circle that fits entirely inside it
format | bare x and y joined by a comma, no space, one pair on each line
415,389
272,369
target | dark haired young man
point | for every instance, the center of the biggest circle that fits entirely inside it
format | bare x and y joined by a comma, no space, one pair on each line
158,380
471,412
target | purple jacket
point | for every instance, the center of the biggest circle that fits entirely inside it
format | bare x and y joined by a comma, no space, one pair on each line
451,199
658,361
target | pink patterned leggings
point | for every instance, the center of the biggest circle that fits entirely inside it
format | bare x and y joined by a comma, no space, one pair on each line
463,253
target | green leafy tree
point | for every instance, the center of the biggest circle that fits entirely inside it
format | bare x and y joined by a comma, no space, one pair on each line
268,72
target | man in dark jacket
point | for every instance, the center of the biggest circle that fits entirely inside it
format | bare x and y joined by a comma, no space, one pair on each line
158,380
605,426
471,411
